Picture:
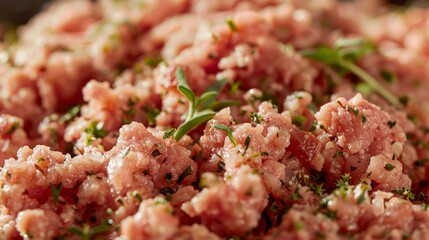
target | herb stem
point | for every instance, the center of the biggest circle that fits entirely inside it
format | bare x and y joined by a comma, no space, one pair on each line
370,81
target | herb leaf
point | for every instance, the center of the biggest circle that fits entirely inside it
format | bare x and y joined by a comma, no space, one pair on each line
343,55
228,131
193,123
405,192
391,123
185,173
231,25
183,86
87,233
168,133
151,114
12,128
256,118
71,113
247,143
96,130
389,167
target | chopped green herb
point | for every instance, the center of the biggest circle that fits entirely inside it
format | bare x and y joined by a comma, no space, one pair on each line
343,182
120,201
231,25
389,167
170,132
246,143
167,192
343,55
299,120
153,61
71,114
404,99
55,191
331,84
130,112
228,130
234,87
299,226
95,130
364,88
155,153
185,173
421,163
421,197
168,177
274,207
54,136
355,111
313,127
405,192
212,56
391,124
361,197
13,128
330,214
296,195
265,154
363,119
137,196
338,153
220,166
388,76
87,233
151,114
256,118
413,118
312,107
160,201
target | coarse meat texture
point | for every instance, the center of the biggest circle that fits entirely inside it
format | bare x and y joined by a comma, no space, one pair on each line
226,119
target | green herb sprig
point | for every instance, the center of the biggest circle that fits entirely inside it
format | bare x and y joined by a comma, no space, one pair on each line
343,56
200,109
87,233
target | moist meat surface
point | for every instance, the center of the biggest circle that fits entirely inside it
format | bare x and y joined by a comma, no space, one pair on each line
203,119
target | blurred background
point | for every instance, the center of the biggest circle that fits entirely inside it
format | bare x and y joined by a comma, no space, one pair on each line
20,11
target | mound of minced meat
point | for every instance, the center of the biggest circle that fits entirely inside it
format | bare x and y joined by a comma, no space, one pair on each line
226,119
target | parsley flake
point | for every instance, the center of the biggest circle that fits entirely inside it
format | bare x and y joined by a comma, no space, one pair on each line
231,25
55,191
389,167
185,173
299,120
256,118
391,124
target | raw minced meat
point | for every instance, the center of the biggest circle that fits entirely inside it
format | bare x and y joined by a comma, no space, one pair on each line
231,119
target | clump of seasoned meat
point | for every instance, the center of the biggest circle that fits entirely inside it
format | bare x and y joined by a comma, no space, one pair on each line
229,119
